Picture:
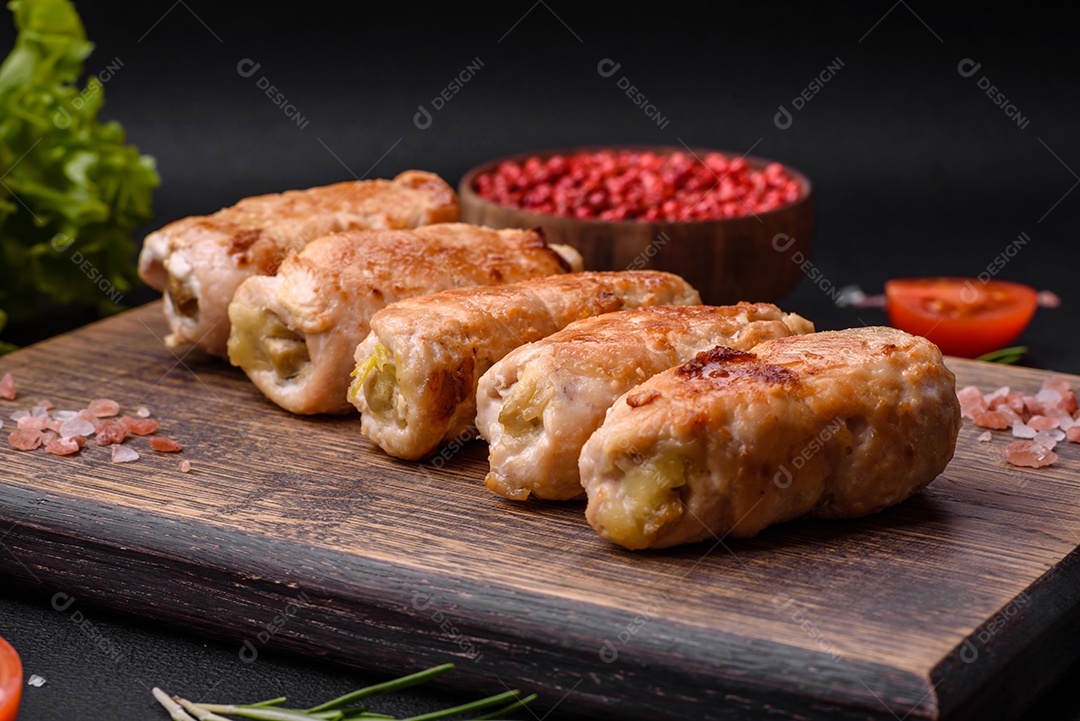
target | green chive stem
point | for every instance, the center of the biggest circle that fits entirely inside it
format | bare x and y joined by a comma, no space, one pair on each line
387,687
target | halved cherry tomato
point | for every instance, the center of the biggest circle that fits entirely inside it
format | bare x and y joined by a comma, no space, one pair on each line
11,674
965,316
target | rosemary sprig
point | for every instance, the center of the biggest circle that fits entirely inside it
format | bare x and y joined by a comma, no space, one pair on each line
342,708
1009,356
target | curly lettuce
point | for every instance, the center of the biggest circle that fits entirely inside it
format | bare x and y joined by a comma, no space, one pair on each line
71,190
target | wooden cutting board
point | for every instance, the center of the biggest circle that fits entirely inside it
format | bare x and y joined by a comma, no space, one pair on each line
297,533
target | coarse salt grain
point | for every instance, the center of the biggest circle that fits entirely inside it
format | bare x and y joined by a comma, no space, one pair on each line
1064,420
163,444
1021,430
1049,439
1056,383
111,432
104,407
143,412
1049,397
124,454
1042,423
25,440
139,426
1073,434
19,414
89,417
76,427
33,423
7,387
39,411
991,419
985,437
185,466
971,400
1068,403
1029,454
62,446
63,415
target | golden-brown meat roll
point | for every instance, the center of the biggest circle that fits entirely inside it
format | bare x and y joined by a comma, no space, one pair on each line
538,405
200,261
416,374
295,333
833,425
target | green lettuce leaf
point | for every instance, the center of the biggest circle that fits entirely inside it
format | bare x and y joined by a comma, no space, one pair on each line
71,190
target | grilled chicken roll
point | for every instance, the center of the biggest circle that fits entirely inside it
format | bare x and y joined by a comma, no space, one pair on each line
538,405
833,425
200,261
416,374
295,333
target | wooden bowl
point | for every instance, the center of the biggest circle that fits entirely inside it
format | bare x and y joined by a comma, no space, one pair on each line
754,258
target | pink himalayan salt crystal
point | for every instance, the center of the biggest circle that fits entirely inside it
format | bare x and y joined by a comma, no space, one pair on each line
1016,401
143,412
1022,430
25,440
19,415
111,432
991,419
32,423
1029,454
971,400
89,417
46,404
139,426
1048,299
1049,438
48,437
1073,434
62,446
1064,420
1009,413
1068,403
63,415
997,397
104,408
985,437
1049,397
1032,406
163,444
39,411
1056,383
1042,423
76,427
185,466
7,387
124,454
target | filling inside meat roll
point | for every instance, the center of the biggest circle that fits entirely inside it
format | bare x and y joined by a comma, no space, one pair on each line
522,415
260,341
378,381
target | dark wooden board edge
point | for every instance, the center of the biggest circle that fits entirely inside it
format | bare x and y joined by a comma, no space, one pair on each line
1023,649
374,615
